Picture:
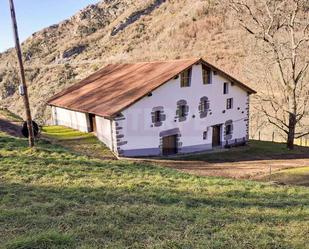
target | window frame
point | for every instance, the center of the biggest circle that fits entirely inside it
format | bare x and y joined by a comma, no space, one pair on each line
205,135
229,103
206,71
182,111
205,106
228,129
225,88
185,78
157,116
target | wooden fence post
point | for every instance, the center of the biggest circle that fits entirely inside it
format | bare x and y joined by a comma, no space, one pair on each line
273,137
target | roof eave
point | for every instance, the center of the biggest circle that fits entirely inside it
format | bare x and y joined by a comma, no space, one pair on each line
242,85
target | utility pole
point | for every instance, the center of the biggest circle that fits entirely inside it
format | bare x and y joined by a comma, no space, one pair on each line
23,86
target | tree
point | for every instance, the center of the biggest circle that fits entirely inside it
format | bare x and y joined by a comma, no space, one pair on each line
280,29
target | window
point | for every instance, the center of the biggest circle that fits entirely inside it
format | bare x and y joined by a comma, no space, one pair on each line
205,135
182,111
229,103
225,88
185,79
205,105
228,129
157,116
206,75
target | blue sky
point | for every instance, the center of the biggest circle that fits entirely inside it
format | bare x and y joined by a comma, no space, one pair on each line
33,15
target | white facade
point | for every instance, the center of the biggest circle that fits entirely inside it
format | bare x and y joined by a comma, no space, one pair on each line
141,137
134,133
105,131
73,119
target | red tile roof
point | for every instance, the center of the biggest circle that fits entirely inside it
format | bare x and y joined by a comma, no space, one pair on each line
115,87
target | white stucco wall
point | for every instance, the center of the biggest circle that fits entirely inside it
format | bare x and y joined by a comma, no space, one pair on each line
73,119
104,131
138,131
80,121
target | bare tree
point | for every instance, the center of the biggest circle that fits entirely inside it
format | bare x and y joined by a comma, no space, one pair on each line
280,29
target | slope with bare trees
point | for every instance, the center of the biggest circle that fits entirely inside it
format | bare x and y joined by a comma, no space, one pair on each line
281,31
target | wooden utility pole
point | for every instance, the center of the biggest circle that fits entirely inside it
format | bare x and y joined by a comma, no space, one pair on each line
23,86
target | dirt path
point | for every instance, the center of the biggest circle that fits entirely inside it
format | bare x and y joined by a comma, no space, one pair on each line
238,170
9,127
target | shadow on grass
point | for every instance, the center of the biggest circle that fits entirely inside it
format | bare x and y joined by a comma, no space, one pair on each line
255,150
51,198
12,129
107,213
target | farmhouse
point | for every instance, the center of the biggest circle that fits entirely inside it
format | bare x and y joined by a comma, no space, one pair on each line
158,108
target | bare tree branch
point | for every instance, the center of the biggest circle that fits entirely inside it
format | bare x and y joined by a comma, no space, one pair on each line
280,29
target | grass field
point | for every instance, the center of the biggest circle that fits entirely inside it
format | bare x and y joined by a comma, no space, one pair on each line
80,142
298,176
52,198
255,150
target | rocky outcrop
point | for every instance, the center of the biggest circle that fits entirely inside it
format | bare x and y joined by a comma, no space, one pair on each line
73,51
136,16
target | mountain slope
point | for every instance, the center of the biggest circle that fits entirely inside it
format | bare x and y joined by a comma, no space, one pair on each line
121,31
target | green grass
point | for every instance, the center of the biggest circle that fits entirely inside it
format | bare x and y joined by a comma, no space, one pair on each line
298,176
255,150
64,133
43,240
52,198
80,142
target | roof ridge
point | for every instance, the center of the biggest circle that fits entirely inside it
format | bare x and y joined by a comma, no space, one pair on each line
158,61
117,86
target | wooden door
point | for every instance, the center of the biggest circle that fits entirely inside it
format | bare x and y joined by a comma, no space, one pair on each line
216,136
93,125
170,145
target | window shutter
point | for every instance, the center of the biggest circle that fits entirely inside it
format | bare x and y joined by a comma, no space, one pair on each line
189,76
182,80
186,110
209,77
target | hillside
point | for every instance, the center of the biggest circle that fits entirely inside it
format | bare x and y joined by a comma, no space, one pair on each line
122,31
53,198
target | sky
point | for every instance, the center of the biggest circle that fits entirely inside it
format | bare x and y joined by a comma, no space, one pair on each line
33,15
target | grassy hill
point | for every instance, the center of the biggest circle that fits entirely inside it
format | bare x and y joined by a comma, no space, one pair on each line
51,197
122,31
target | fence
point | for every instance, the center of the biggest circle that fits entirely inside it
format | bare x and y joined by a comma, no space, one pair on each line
278,138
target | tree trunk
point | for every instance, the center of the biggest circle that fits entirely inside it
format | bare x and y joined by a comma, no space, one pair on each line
291,134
